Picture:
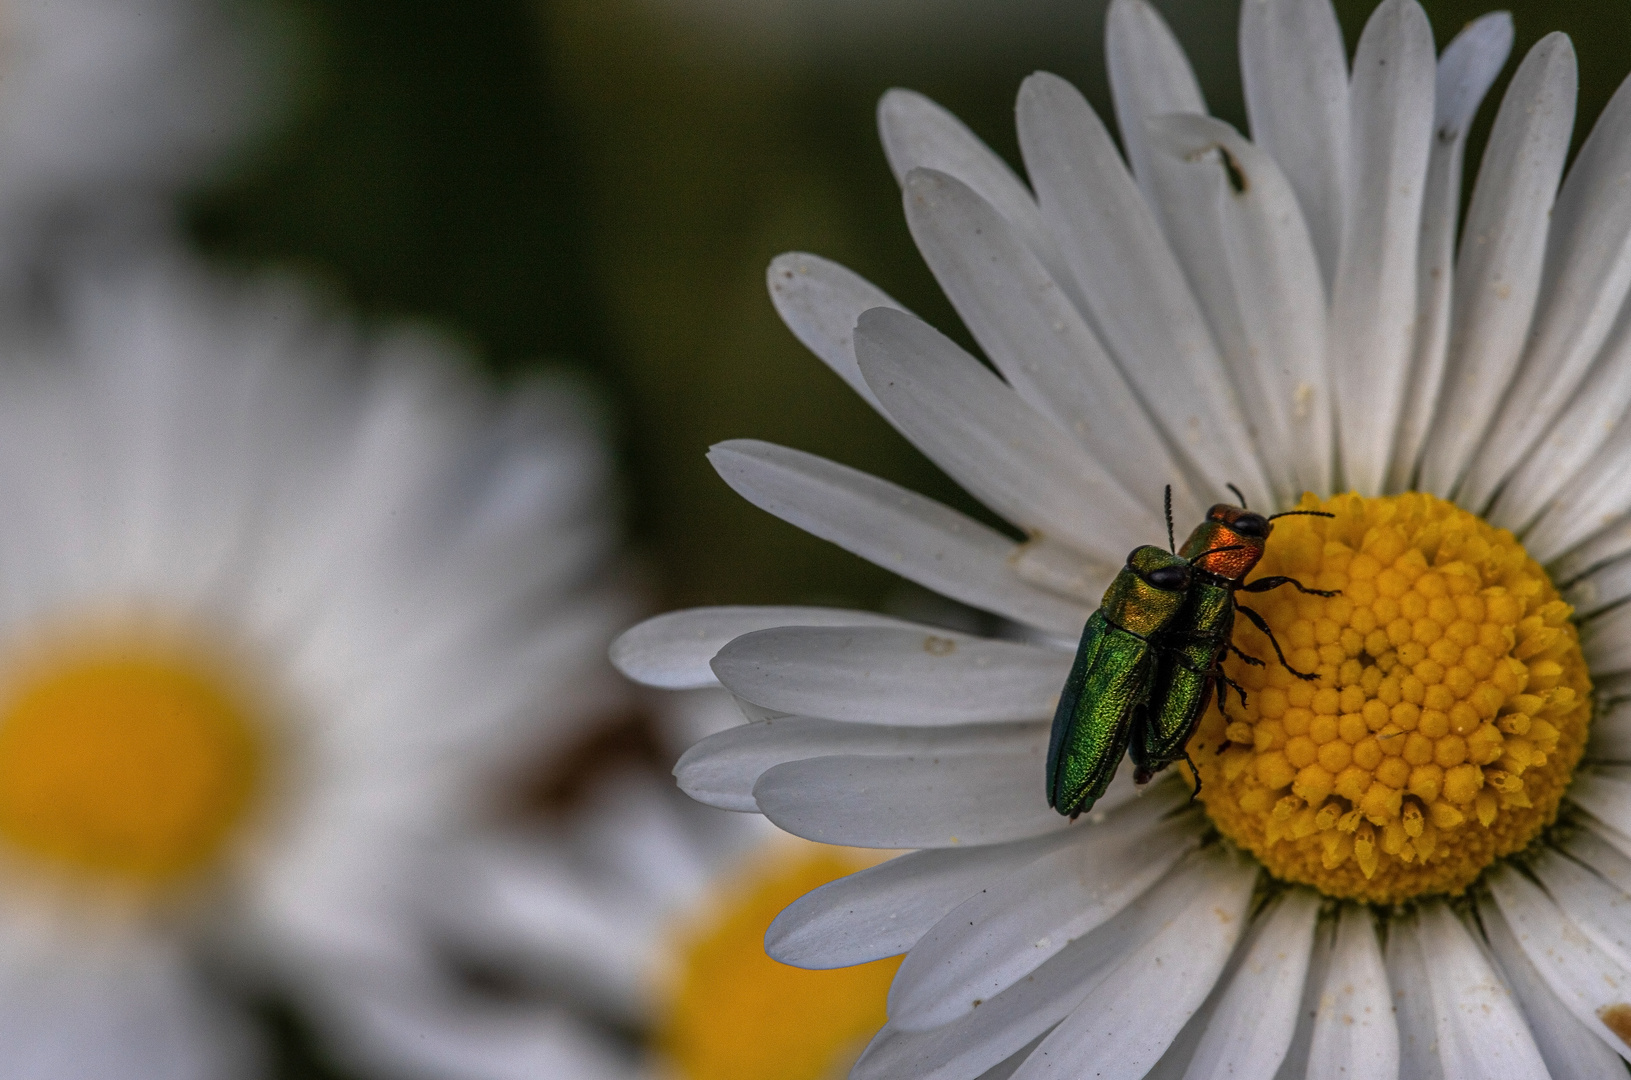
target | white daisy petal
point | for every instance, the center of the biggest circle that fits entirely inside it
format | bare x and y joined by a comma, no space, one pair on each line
918,134
672,651
1373,302
1032,332
1606,641
1502,251
1114,1033
1597,908
911,801
1589,436
1235,223
1465,71
1603,850
1605,792
892,676
1610,738
819,301
1588,270
1571,1051
1061,569
1602,588
1134,289
899,530
1481,1031
979,430
1251,1029
1149,76
1003,1025
722,769
1355,1034
885,909
1585,518
1003,933
1295,72
1583,977
1413,1000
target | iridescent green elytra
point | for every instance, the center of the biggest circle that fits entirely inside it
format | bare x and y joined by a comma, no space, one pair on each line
1110,682
1186,671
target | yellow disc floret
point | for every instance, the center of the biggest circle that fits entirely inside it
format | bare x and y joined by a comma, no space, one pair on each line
736,1014
124,760
1450,709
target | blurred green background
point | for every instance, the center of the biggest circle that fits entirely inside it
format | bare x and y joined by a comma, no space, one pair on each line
601,183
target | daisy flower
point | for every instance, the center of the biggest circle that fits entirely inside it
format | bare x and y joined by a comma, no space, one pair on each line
280,605
1417,864
640,911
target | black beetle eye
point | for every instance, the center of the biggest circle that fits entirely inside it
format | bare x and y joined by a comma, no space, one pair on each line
1255,526
1169,578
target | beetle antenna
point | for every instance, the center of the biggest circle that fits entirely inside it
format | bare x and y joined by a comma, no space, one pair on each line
1219,550
1238,495
1172,541
1301,513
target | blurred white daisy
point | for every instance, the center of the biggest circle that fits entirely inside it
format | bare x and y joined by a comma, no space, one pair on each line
1415,866
108,108
281,606
638,911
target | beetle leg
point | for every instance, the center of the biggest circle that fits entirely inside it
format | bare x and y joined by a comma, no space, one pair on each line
1196,773
1224,683
1247,657
1265,584
1259,622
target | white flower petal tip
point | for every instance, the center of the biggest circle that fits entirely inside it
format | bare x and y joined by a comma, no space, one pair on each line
1294,68
1467,69
990,440
918,134
820,300
672,651
1586,277
1469,65
1030,328
918,538
1149,75
1498,269
1373,299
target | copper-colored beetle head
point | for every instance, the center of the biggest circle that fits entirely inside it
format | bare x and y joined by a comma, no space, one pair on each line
1229,542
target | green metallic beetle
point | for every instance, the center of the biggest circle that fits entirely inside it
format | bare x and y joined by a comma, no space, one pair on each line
1221,551
1109,685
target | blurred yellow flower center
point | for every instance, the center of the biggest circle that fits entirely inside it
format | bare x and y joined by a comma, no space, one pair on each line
131,763
736,1014
1450,710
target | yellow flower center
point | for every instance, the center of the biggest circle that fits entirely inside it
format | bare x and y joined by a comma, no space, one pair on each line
1449,713
736,1014
123,758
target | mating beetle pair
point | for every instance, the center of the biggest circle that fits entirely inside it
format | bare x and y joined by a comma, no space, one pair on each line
1152,653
